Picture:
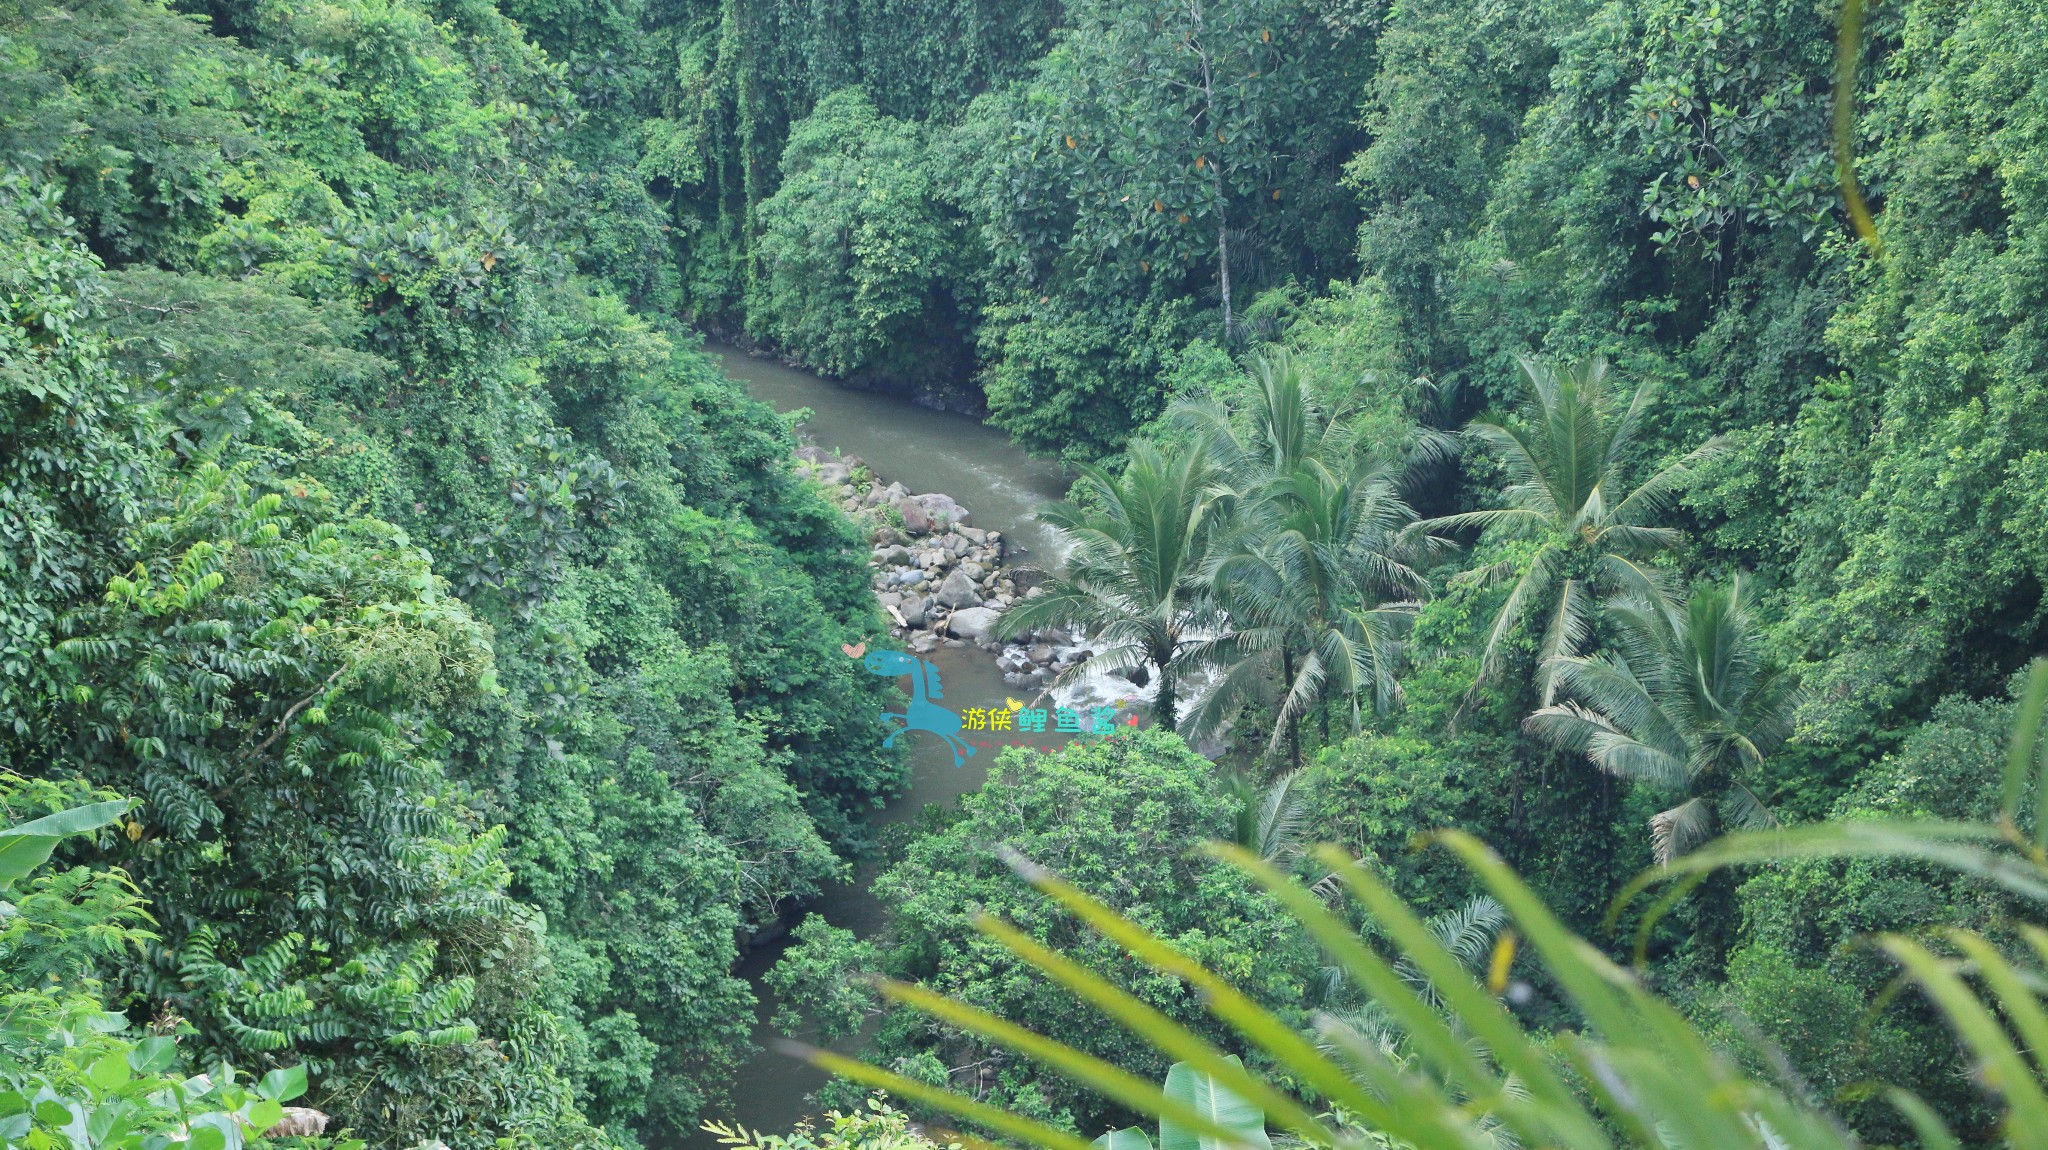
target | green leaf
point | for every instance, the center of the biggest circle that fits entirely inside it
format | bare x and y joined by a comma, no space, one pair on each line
1934,1134
76,821
50,1112
1129,1138
1111,1081
20,854
265,1114
110,1072
153,1055
283,1085
24,848
1186,1084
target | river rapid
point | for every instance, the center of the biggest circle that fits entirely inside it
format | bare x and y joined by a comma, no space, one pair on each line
1000,486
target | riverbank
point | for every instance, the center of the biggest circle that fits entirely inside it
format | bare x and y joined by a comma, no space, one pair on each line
942,580
980,469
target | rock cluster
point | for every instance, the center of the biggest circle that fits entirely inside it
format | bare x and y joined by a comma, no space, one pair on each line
939,578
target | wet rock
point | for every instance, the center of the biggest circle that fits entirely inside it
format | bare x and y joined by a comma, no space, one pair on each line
971,625
912,608
958,591
940,509
974,571
974,624
915,520
894,555
924,642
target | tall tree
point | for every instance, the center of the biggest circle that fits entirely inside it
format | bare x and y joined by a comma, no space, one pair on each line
1686,703
1316,585
1172,127
1314,580
1566,452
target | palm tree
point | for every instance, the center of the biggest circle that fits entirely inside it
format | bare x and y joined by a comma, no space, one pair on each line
1633,1071
1312,580
1134,579
1314,583
1270,819
1284,424
1564,453
1686,704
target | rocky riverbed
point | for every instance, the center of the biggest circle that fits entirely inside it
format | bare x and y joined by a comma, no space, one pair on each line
940,579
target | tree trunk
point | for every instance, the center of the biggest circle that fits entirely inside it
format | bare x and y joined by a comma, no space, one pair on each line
1164,704
1223,255
1293,720
1215,170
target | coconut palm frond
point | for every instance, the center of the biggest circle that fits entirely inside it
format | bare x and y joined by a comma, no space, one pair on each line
1680,829
1282,817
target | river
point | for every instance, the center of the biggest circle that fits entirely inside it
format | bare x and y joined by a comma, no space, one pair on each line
1000,486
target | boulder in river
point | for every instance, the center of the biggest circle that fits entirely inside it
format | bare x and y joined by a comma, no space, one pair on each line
958,591
974,624
940,509
915,520
912,610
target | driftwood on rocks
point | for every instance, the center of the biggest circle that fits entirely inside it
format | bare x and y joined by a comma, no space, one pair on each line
299,1122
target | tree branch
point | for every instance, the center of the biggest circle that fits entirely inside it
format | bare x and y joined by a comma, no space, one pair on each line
301,705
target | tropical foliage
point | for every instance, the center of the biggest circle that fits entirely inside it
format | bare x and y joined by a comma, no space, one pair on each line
1485,416
1685,704
1638,1071
71,1075
1563,457
424,595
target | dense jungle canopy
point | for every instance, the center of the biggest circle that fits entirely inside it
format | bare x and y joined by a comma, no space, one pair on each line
1482,414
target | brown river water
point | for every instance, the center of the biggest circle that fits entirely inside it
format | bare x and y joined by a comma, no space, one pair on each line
1000,485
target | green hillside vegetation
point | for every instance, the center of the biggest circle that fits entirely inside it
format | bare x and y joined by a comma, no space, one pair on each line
1482,417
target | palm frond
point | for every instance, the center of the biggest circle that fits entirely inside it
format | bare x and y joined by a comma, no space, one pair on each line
1282,816
1674,832
1655,494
